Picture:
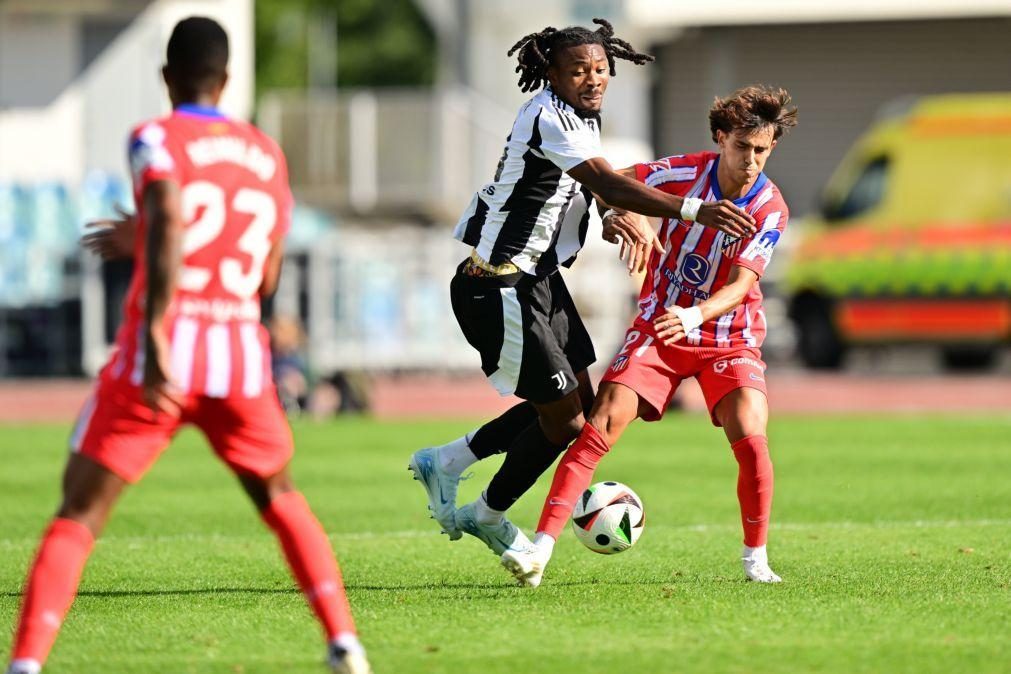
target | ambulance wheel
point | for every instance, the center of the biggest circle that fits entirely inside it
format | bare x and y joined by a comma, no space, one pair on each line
818,342
981,357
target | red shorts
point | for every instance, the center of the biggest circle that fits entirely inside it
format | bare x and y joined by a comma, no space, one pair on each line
117,430
654,371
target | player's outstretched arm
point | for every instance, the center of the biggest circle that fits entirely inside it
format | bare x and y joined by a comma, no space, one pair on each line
163,256
111,238
623,192
675,324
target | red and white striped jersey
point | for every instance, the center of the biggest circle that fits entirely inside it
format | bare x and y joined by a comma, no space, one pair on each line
236,201
696,261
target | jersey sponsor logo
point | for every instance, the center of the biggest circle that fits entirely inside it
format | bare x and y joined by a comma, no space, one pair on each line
695,269
675,281
220,310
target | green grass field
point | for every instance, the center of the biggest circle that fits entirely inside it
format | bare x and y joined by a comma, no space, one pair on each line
893,536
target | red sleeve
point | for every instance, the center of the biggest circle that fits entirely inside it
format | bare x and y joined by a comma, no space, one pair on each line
150,157
755,253
673,174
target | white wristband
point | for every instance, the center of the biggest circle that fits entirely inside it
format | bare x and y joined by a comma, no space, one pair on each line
690,208
609,212
691,317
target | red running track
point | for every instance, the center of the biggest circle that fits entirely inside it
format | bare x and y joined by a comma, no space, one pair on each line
443,396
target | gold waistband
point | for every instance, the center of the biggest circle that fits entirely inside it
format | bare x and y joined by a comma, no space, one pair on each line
494,270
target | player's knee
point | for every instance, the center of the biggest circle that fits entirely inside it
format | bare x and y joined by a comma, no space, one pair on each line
88,512
563,431
263,490
749,420
608,424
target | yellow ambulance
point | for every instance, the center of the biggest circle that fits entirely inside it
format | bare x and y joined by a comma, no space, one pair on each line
913,241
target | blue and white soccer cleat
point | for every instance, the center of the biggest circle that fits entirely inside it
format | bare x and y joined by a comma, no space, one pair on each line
498,537
440,486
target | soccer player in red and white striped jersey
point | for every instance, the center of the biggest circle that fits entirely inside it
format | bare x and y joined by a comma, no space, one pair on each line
213,208
700,315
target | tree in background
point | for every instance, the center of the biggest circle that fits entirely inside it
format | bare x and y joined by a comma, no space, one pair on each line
345,43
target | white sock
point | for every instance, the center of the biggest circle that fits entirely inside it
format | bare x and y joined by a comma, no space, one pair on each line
349,642
24,666
456,456
544,542
485,514
755,553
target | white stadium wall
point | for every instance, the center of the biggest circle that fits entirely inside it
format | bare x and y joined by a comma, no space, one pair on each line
76,76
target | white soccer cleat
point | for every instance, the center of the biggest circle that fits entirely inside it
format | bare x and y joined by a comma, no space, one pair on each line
526,564
343,661
24,666
756,565
500,537
440,486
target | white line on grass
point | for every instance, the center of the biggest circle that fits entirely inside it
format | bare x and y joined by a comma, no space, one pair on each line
12,543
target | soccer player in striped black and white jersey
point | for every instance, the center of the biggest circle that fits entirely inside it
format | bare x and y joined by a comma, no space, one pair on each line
213,208
508,297
700,315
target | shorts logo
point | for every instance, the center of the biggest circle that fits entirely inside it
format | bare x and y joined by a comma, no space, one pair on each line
754,377
619,364
695,269
560,378
720,366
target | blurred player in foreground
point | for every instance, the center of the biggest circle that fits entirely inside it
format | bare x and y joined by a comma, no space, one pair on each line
700,315
213,208
509,297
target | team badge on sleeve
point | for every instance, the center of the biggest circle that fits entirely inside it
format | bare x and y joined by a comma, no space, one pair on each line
148,151
762,247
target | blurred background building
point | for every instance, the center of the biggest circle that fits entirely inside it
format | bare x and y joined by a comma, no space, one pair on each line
392,114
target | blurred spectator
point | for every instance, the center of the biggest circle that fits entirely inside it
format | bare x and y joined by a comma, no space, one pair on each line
289,367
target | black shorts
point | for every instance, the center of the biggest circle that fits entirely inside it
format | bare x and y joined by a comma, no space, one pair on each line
531,339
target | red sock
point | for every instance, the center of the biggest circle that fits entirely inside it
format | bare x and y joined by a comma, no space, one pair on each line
754,487
50,587
572,477
311,560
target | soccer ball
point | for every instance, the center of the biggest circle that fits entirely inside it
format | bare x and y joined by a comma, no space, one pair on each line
608,518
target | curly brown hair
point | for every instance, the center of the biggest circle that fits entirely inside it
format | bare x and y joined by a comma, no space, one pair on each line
753,108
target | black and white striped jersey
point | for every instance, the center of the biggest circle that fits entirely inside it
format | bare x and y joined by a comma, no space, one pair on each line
532,213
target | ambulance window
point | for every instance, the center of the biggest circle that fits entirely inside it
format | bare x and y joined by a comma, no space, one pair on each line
866,193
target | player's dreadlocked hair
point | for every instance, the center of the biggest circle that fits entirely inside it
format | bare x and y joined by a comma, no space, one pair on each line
536,50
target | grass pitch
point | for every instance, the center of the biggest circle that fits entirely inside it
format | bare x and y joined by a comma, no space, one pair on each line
892,536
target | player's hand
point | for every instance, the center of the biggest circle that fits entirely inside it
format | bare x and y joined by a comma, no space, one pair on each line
669,329
636,237
160,393
111,238
726,217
